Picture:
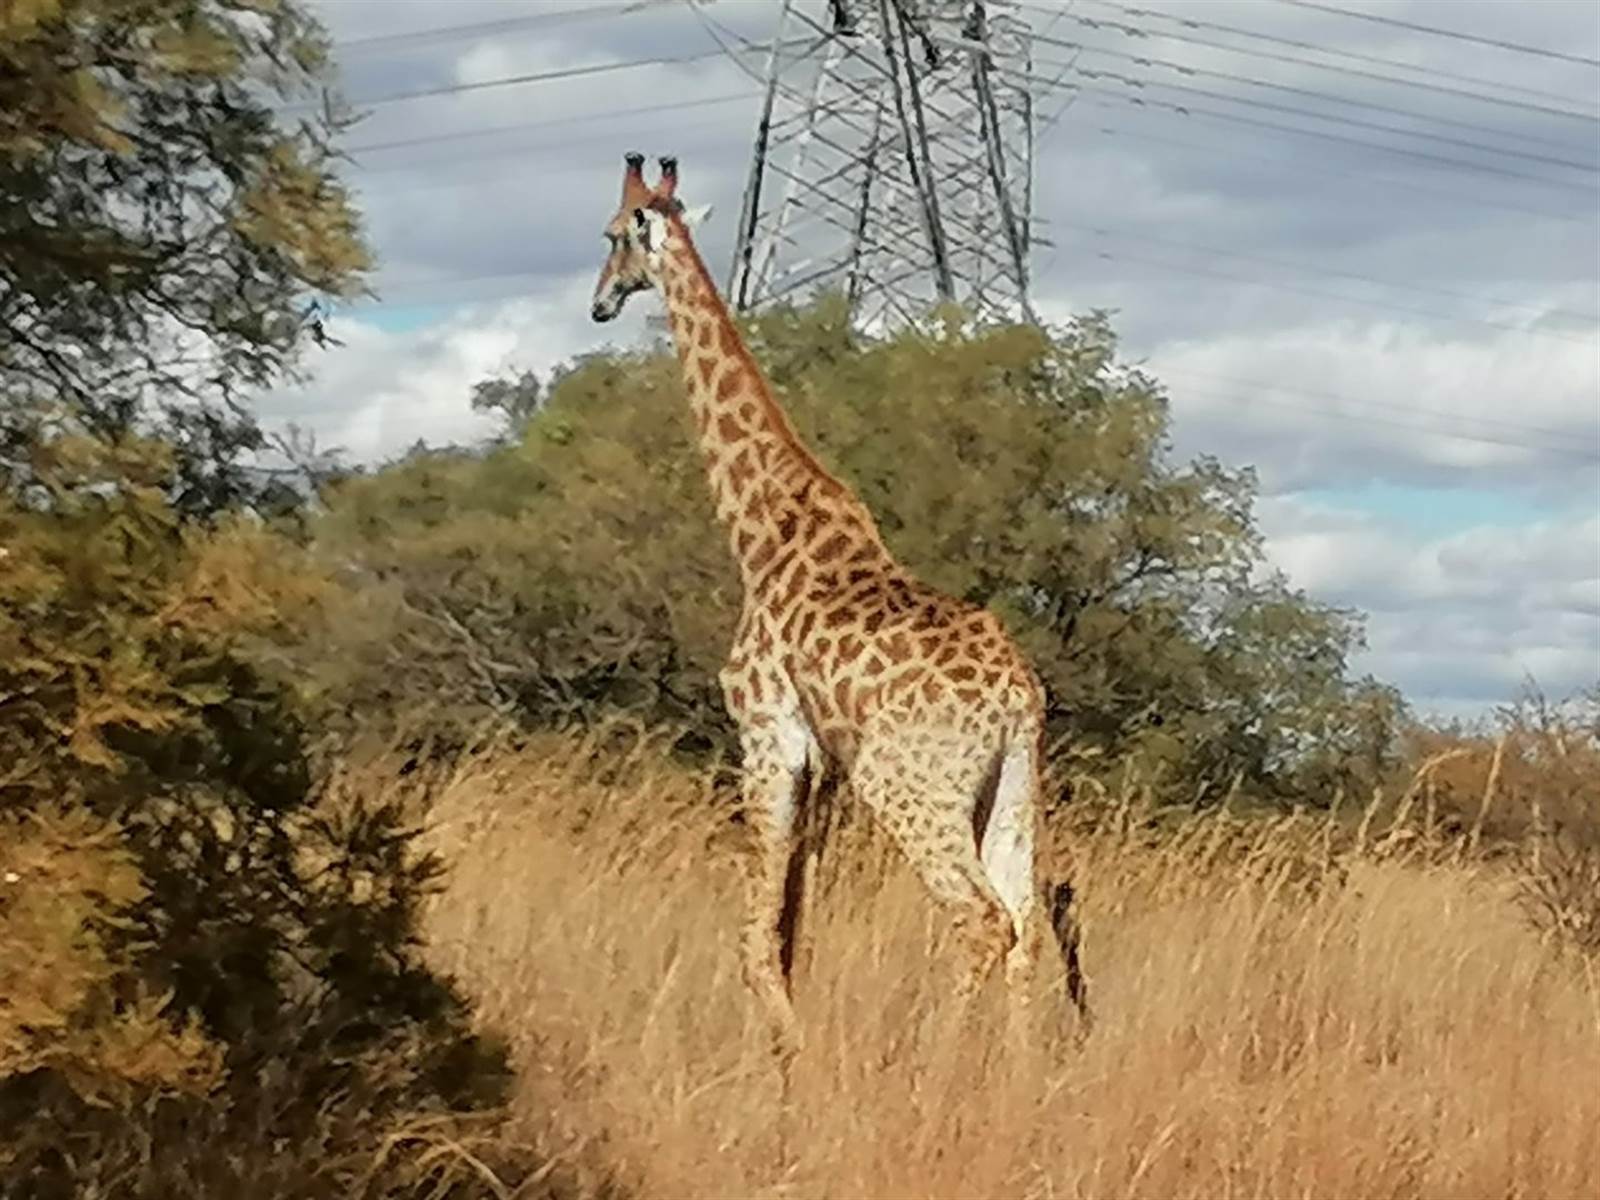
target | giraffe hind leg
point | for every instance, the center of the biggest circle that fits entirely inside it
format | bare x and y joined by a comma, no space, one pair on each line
927,809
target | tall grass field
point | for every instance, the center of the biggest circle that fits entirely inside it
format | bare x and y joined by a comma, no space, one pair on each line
1345,1004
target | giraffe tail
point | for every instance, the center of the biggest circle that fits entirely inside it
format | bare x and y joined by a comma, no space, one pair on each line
1064,924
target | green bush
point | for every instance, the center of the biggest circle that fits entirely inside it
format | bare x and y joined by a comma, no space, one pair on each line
208,983
581,570
208,977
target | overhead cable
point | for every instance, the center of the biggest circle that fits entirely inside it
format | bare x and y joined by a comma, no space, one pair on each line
1139,31
1435,31
444,33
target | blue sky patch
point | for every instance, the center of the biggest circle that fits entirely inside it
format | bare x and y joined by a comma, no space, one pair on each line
1434,511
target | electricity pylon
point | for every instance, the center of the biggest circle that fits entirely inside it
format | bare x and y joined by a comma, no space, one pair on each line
892,161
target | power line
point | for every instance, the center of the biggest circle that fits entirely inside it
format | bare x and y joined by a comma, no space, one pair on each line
1233,152
581,118
1397,110
442,181
1354,122
1352,55
716,31
595,69
1136,31
1052,120
1396,22
1378,407
1130,82
539,77
1340,398
1235,155
1396,423
1317,292
1188,110
422,140
452,89
444,33
1304,266
1420,155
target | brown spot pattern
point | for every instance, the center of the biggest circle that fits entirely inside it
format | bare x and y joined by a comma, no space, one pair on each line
797,581
729,385
740,471
839,617
830,549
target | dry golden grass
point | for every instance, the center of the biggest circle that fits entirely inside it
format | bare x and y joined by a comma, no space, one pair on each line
1278,1016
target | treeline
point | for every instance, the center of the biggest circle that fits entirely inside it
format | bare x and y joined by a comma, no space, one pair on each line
209,983
575,567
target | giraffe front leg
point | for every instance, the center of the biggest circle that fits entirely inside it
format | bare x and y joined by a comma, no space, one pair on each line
776,751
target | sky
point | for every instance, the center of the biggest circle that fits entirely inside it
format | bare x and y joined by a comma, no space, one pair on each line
1396,328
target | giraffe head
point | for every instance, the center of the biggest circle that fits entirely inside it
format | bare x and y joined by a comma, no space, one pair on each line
637,235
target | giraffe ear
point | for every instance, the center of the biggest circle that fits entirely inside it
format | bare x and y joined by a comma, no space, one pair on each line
693,217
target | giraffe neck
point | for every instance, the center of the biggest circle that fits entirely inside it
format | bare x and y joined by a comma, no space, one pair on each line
770,491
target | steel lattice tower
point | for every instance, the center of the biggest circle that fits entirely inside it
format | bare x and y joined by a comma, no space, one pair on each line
892,161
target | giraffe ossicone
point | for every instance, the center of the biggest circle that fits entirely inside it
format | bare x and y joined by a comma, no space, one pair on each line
922,701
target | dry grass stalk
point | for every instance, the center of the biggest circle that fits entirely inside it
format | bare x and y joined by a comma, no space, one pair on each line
1490,785
1284,1010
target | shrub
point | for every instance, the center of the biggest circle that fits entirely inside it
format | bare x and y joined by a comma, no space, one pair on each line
209,968
1529,787
581,571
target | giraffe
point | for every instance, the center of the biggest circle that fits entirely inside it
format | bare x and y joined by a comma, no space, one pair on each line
842,657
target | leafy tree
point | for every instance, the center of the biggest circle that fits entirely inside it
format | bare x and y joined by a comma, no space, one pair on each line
168,228
1018,468
512,400
208,978
204,956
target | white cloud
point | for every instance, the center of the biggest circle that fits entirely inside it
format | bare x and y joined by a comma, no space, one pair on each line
1460,621
1342,403
385,388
